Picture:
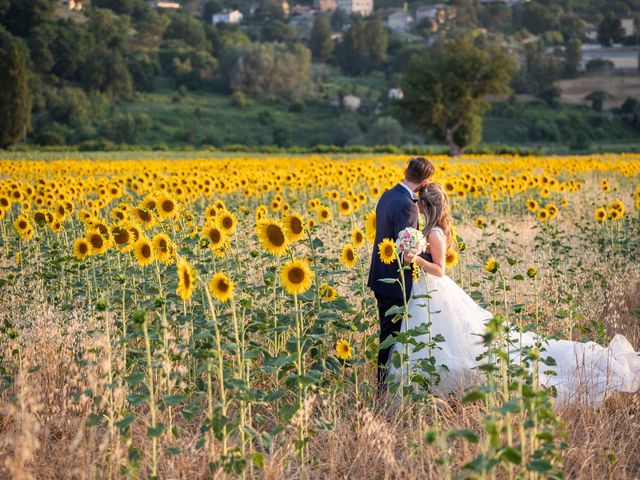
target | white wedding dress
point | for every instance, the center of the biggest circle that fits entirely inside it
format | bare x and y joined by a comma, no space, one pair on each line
584,373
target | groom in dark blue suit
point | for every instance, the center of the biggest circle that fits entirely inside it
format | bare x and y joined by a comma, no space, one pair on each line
395,211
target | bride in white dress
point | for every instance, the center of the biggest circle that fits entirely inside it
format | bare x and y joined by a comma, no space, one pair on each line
584,372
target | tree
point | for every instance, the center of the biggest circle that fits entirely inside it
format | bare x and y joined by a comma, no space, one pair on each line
23,15
445,91
377,41
107,29
106,71
320,41
210,8
278,31
610,31
268,69
535,17
385,131
186,28
572,57
15,98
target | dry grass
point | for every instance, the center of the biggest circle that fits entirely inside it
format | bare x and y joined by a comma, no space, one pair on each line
43,433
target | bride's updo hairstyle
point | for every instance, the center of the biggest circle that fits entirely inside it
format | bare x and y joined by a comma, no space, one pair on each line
436,207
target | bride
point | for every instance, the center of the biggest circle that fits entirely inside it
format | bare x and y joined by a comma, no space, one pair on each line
584,372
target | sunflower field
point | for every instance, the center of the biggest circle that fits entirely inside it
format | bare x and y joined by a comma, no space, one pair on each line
209,318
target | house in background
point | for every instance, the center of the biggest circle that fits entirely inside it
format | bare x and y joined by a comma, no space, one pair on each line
399,21
74,5
360,7
325,5
436,13
227,16
628,25
168,5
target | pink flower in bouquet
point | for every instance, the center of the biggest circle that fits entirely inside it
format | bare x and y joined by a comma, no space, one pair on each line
411,241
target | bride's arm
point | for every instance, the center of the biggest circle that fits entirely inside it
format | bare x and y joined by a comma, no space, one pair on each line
437,247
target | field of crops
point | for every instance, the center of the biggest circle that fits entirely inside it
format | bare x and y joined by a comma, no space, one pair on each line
208,318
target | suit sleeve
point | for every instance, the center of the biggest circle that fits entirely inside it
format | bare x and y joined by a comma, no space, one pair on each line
407,217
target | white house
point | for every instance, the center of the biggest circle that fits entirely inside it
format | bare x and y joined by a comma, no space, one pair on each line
628,26
361,7
395,94
227,16
351,102
399,21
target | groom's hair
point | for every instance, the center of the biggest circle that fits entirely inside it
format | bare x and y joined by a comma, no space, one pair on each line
418,170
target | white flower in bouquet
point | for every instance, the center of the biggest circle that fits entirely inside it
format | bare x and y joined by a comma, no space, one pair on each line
411,242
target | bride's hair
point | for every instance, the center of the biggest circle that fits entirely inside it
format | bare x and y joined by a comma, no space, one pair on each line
436,207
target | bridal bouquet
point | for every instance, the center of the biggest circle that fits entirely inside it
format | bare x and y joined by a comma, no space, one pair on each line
411,241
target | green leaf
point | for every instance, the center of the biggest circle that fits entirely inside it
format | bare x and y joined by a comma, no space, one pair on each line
125,422
388,280
174,399
538,465
155,432
287,411
395,310
474,396
511,454
468,435
257,459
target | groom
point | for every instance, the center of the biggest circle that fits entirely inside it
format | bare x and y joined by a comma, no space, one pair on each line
395,211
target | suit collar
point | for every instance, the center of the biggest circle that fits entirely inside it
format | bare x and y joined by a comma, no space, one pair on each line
404,188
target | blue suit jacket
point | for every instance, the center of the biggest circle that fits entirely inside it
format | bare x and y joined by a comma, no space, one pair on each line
395,211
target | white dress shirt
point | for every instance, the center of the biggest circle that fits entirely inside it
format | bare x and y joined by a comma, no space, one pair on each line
413,194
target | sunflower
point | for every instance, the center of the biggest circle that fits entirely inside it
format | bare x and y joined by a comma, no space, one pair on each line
221,287
328,293
81,248
615,214
543,215
324,214
370,225
532,272
22,224
296,277
357,237
492,265
144,216
121,235
97,243
143,251
227,222
552,209
186,279
345,207
215,236
344,350
532,205
480,222
600,214
163,248
451,258
272,237
348,256
387,251
166,206
294,225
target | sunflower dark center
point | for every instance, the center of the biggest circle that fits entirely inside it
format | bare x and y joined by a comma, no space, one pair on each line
214,236
82,248
96,241
296,225
350,255
223,285
146,250
296,275
186,278
275,235
167,206
227,222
